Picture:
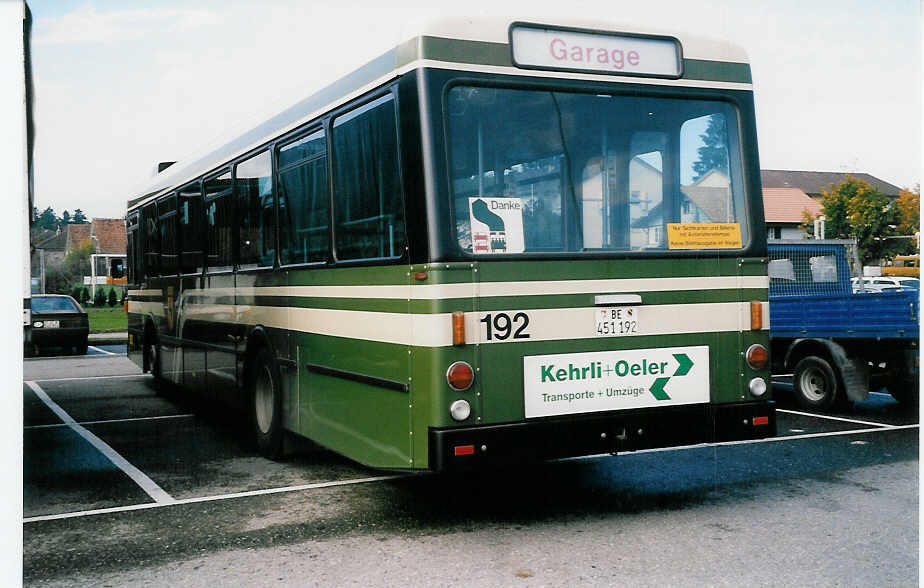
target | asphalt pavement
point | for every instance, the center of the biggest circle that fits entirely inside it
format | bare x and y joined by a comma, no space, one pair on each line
124,485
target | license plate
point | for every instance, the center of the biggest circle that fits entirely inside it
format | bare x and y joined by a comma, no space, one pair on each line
617,321
52,324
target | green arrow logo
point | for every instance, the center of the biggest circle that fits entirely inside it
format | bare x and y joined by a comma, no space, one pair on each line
685,364
657,389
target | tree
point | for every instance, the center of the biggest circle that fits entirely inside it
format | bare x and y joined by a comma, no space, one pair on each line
99,299
79,217
65,218
909,211
713,155
111,300
48,220
84,295
855,210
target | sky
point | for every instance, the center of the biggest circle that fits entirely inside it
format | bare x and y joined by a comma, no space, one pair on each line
123,84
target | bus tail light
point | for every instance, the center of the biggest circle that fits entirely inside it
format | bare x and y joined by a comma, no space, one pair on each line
460,410
458,328
460,376
757,315
758,387
757,356
464,450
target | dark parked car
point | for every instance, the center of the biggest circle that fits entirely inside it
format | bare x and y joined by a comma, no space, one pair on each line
59,321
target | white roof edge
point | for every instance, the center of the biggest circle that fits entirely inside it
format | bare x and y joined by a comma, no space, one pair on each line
496,30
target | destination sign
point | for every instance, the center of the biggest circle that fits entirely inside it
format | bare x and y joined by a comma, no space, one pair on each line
535,46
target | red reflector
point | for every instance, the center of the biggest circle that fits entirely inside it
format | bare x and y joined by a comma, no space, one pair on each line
761,421
465,450
420,276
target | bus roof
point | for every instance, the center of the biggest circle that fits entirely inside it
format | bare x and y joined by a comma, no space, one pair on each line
473,44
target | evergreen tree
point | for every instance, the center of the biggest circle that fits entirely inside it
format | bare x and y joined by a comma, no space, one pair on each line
111,300
99,299
65,218
79,217
713,155
84,295
48,220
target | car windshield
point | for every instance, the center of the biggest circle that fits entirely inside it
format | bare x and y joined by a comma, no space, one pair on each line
53,304
543,171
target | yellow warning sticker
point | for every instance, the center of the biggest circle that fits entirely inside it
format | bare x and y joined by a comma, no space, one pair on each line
704,236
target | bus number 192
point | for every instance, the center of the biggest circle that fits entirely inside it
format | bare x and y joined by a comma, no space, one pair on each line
500,326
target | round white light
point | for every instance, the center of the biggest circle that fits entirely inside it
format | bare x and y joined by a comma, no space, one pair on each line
38,324
460,410
758,387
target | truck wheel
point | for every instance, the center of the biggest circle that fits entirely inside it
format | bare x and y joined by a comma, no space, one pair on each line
815,383
904,387
266,405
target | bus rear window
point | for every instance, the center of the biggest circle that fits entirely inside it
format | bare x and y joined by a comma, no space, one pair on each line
539,171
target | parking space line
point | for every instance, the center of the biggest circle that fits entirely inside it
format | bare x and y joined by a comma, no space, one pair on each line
131,420
116,509
318,485
101,350
147,484
834,418
94,377
750,441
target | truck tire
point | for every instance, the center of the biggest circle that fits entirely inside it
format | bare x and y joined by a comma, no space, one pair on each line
815,383
904,387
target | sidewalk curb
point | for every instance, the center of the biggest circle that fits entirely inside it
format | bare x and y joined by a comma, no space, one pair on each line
107,339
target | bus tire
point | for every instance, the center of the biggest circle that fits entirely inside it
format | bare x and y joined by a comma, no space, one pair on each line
265,399
152,359
815,383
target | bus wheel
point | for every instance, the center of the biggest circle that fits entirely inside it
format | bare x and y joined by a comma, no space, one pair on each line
152,358
266,405
815,383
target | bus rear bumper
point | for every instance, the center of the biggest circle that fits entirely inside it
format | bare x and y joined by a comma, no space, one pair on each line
462,448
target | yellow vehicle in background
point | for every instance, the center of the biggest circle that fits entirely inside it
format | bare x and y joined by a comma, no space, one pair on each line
903,265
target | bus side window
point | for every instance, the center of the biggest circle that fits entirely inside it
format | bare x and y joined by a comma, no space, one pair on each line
190,229
256,211
166,209
133,250
368,204
218,222
304,201
150,240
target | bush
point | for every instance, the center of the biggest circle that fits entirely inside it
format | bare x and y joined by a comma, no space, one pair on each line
84,295
75,292
99,299
111,299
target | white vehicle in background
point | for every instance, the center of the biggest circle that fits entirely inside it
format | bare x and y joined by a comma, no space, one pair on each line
885,283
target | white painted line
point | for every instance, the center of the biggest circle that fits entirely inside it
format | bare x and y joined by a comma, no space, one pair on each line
153,418
834,418
749,441
85,513
101,350
70,515
95,377
139,477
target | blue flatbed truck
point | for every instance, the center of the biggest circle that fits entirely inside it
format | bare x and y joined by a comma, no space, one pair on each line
837,343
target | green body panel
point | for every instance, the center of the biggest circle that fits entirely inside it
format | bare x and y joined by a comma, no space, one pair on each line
386,426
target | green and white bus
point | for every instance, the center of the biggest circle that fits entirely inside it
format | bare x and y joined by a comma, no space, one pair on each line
499,241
